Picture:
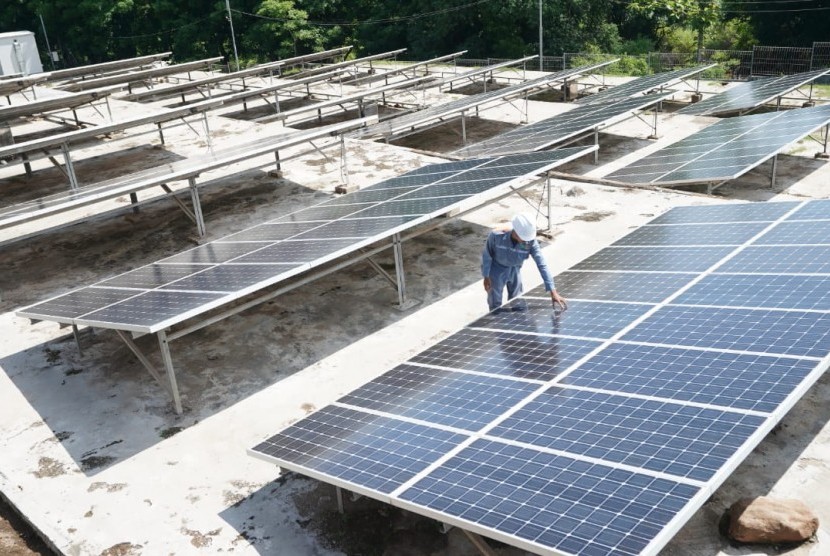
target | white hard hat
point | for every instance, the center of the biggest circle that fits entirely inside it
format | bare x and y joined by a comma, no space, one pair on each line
524,226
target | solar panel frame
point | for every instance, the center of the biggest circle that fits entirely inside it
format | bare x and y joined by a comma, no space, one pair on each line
757,93
561,128
642,85
508,476
225,251
771,133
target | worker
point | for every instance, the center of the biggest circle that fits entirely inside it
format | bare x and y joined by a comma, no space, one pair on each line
504,254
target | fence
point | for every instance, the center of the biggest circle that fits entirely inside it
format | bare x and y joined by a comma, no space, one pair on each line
733,65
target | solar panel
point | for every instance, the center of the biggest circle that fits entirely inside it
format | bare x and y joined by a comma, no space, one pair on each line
187,284
642,85
752,94
725,150
438,113
605,426
570,125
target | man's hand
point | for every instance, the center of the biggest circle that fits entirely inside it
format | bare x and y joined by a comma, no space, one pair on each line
556,298
488,285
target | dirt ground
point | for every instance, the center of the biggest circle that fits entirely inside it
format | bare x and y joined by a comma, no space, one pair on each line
95,440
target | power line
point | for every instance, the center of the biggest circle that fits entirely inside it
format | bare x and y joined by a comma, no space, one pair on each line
368,21
166,31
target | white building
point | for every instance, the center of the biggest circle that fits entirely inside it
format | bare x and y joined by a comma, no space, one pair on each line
18,53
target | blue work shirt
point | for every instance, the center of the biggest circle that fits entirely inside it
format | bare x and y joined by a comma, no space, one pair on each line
501,250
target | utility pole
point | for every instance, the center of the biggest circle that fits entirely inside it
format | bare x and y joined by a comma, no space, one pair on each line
541,55
48,48
233,37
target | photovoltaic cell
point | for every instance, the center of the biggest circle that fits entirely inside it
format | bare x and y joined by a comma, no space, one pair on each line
738,381
79,302
589,319
812,210
680,440
641,85
550,500
691,234
371,451
149,308
507,353
732,212
152,276
448,398
412,207
761,291
295,251
767,331
212,253
653,258
271,232
355,227
811,232
230,277
778,259
616,286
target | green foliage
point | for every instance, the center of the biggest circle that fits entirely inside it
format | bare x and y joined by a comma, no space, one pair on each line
640,45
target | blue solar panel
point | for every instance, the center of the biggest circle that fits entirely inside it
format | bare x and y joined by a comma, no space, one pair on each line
780,260
733,212
730,380
767,331
588,319
448,398
811,232
657,259
691,234
791,291
617,286
812,210
550,500
368,450
507,353
600,428
680,440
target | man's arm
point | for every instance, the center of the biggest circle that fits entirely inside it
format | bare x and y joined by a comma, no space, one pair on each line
547,277
487,259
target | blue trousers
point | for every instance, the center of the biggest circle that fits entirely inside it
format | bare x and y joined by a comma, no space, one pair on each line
502,277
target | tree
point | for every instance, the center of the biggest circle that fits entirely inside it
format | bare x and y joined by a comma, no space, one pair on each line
697,14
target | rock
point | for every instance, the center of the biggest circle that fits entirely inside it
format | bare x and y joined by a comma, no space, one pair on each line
765,520
575,191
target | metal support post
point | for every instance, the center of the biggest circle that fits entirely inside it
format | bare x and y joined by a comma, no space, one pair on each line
344,170
479,543
164,346
399,272
161,132
134,201
77,339
197,207
279,164
75,115
826,133
339,492
774,168
549,188
464,128
70,168
778,104
596,142
207,130
26,164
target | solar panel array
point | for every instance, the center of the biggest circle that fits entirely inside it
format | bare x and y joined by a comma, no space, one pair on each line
641,85
436,112
751,94
172,290
570,125
601,429
725,150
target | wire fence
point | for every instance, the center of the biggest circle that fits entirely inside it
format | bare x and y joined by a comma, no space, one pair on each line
733,65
